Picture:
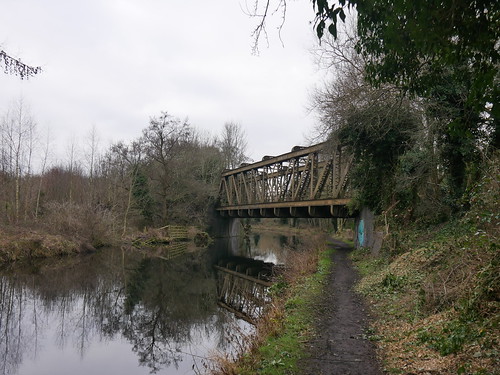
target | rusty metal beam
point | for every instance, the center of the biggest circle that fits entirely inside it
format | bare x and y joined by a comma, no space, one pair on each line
290,184
290,155
270,205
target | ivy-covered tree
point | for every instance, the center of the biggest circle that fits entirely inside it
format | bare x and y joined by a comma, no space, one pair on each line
413,43
407,41
445,52
142,197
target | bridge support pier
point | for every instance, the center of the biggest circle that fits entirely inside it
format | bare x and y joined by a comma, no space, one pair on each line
225,226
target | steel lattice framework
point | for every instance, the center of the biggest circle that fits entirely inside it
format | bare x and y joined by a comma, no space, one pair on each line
307,182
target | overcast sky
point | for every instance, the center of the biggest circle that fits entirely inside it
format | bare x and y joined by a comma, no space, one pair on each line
113,64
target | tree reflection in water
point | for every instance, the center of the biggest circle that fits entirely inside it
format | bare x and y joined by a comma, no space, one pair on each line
162,307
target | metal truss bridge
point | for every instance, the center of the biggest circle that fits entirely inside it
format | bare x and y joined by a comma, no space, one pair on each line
306,182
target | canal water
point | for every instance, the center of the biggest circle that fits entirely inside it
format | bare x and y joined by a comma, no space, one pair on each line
122,311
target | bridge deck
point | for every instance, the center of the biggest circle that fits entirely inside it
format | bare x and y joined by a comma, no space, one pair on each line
305,209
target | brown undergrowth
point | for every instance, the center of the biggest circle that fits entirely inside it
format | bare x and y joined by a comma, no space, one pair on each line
250,354
437,295
20,244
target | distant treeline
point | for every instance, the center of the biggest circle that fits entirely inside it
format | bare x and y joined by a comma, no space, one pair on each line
170,174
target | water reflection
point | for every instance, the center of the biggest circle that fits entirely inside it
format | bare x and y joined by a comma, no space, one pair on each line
269,247
243,285
110,311
164,309
244,278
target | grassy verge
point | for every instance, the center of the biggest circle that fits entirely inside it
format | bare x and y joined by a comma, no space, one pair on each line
437,301
278,344
280,352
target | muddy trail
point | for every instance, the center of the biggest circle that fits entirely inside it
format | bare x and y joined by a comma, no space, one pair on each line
340,345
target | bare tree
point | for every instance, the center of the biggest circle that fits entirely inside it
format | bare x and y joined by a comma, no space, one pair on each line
233,145
163,140
345,88
91,158
71,151
18,130
261,10
31,143
128,159
45,157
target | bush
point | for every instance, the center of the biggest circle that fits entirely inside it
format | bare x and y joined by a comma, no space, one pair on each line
92,224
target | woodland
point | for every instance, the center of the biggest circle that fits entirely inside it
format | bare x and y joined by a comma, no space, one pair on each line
170,174
413,92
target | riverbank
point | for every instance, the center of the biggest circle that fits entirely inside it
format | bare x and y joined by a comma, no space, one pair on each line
277,345
435,290
437,300
21,244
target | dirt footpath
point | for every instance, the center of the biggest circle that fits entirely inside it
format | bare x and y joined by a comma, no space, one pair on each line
340,346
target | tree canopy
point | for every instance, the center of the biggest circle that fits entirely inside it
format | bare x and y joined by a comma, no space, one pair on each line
413,43
411,95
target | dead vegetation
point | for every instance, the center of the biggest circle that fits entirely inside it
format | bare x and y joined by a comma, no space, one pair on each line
437,297
63,229
86,223
17,244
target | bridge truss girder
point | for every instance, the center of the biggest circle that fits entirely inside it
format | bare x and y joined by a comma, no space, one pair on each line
309,182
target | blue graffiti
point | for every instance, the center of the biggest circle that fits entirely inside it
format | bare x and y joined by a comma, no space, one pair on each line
361,233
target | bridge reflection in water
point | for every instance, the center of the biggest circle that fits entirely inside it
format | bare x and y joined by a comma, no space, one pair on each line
243,285
130,311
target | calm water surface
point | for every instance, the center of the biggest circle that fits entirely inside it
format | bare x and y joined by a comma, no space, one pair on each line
122,312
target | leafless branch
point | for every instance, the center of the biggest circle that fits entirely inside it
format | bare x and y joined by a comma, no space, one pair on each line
262,16
16,67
